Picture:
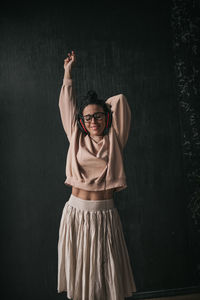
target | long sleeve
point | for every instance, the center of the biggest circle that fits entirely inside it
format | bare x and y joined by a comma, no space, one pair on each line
121,117
68,107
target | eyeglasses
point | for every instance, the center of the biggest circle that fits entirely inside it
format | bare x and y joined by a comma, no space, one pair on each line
97,116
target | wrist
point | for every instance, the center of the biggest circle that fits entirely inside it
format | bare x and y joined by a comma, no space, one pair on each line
67,77
67,80
67,74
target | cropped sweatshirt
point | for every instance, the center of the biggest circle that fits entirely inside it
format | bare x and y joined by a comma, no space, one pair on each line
95,163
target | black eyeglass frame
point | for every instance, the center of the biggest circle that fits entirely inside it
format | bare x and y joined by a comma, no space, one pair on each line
94,115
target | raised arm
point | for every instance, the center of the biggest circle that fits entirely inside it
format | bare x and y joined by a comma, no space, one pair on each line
67,99
121,117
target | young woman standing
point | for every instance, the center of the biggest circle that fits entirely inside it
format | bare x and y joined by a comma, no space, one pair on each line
93,261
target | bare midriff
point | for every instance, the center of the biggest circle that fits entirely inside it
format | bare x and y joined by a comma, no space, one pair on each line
92,195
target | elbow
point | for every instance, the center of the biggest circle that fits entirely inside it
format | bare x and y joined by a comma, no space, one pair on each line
122,96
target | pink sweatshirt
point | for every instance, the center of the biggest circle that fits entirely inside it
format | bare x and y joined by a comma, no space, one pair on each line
95,164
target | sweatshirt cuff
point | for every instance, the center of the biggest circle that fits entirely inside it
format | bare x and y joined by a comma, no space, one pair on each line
67,81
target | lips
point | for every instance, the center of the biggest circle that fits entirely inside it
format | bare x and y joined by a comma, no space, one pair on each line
96,127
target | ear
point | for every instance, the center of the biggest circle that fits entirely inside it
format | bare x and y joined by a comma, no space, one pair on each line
107,119
82,126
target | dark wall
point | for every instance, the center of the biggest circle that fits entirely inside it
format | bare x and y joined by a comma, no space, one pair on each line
120,49
186,41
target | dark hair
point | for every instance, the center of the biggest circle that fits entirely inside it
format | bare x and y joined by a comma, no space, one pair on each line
91,98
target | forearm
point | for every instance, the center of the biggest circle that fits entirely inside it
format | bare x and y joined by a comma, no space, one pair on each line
121,114
67,74
67,105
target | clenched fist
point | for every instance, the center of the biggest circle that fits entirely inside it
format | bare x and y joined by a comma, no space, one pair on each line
68,62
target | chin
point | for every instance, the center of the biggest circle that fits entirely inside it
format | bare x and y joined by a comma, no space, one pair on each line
96,134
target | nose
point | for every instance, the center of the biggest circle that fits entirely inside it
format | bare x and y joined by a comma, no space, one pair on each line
93,119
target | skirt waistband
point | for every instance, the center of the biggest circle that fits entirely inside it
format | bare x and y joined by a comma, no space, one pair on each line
90,205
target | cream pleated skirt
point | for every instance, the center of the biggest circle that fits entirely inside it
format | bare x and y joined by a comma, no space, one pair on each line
93,260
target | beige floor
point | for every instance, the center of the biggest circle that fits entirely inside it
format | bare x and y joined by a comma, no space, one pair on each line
183,297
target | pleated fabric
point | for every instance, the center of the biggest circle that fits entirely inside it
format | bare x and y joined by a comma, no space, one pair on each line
93,260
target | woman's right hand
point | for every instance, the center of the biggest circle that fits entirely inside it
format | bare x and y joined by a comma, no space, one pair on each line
68,62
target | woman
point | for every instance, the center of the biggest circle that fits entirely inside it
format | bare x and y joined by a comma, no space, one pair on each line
93,261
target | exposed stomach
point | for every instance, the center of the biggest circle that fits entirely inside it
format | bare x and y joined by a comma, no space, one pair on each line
92,195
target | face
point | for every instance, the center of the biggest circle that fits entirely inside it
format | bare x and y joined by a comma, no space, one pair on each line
95,127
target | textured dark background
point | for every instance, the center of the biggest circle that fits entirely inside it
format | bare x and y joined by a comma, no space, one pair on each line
120,49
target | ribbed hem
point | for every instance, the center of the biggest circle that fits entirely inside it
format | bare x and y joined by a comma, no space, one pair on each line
118,184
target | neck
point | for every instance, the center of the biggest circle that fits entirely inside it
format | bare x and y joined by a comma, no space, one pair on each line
96,137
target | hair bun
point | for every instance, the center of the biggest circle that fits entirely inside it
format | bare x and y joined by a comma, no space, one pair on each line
91,94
